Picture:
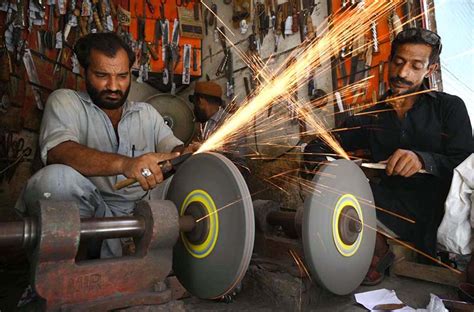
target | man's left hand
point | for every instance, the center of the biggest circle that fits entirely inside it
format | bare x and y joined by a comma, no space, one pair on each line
192,147
404,163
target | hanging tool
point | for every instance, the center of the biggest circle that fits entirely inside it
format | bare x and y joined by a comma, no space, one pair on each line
375,38
295,20
186,64
357,62
165,50
289,20
410,21
213,14
210,53
311,85
343,77
381,89
174,53
230,75
195,59
150,6
247,86
222,65
196,9
157,34
206,24
50,34
151,50
394,24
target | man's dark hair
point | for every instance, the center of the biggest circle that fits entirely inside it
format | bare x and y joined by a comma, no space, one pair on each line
418,36
106,43
211,99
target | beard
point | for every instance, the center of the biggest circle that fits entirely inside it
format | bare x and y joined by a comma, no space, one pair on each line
200,114
99,97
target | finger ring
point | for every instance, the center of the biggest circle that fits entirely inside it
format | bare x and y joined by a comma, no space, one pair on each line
146,172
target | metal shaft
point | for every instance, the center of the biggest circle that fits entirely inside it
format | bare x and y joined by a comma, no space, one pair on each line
24,233
287,220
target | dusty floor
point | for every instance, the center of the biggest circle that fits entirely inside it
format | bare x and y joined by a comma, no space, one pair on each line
412,292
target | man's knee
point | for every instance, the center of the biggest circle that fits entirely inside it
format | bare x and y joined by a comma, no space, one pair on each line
55,182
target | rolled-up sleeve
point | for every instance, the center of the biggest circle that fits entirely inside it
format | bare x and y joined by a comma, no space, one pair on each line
60,121
165,141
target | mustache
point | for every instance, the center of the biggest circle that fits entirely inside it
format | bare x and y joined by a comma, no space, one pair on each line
400,80
106,92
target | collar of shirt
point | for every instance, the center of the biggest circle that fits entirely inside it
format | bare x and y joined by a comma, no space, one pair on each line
217,115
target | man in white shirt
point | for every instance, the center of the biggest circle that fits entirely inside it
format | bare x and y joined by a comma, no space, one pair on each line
90,141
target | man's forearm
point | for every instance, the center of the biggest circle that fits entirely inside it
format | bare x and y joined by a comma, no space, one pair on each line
87,161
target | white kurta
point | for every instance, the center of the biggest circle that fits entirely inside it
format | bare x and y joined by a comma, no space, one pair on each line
455,231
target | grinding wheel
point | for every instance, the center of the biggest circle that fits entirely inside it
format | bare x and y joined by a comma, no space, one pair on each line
212,259
338,248
176,113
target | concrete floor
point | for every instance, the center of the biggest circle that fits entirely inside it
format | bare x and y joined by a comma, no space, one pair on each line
414,293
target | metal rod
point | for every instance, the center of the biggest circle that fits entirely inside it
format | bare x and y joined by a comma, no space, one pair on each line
285,219
186,223
11,233
282,218
101,228
24,233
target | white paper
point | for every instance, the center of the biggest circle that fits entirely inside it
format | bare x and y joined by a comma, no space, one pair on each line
435,305
373,298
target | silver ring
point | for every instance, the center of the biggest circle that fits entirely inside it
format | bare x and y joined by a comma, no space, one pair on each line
146,172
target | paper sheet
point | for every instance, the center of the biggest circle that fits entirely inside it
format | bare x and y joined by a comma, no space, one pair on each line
373,298
377,297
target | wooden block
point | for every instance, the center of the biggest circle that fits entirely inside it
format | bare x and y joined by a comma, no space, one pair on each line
405,265
428,273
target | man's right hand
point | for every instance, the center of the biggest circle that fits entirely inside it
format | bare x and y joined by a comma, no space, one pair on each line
404,163
132,168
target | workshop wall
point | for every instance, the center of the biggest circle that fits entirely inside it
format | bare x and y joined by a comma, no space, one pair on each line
30,71
275,150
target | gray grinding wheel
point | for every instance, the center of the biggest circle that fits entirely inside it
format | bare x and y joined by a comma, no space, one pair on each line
211,260
337,248
176,113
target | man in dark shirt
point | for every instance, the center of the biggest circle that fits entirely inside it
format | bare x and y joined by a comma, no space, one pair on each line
412,129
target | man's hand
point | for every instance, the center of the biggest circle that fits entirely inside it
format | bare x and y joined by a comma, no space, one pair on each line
191,148
404,163
132,168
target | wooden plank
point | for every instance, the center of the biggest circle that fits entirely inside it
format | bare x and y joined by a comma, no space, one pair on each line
428,273
406,265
